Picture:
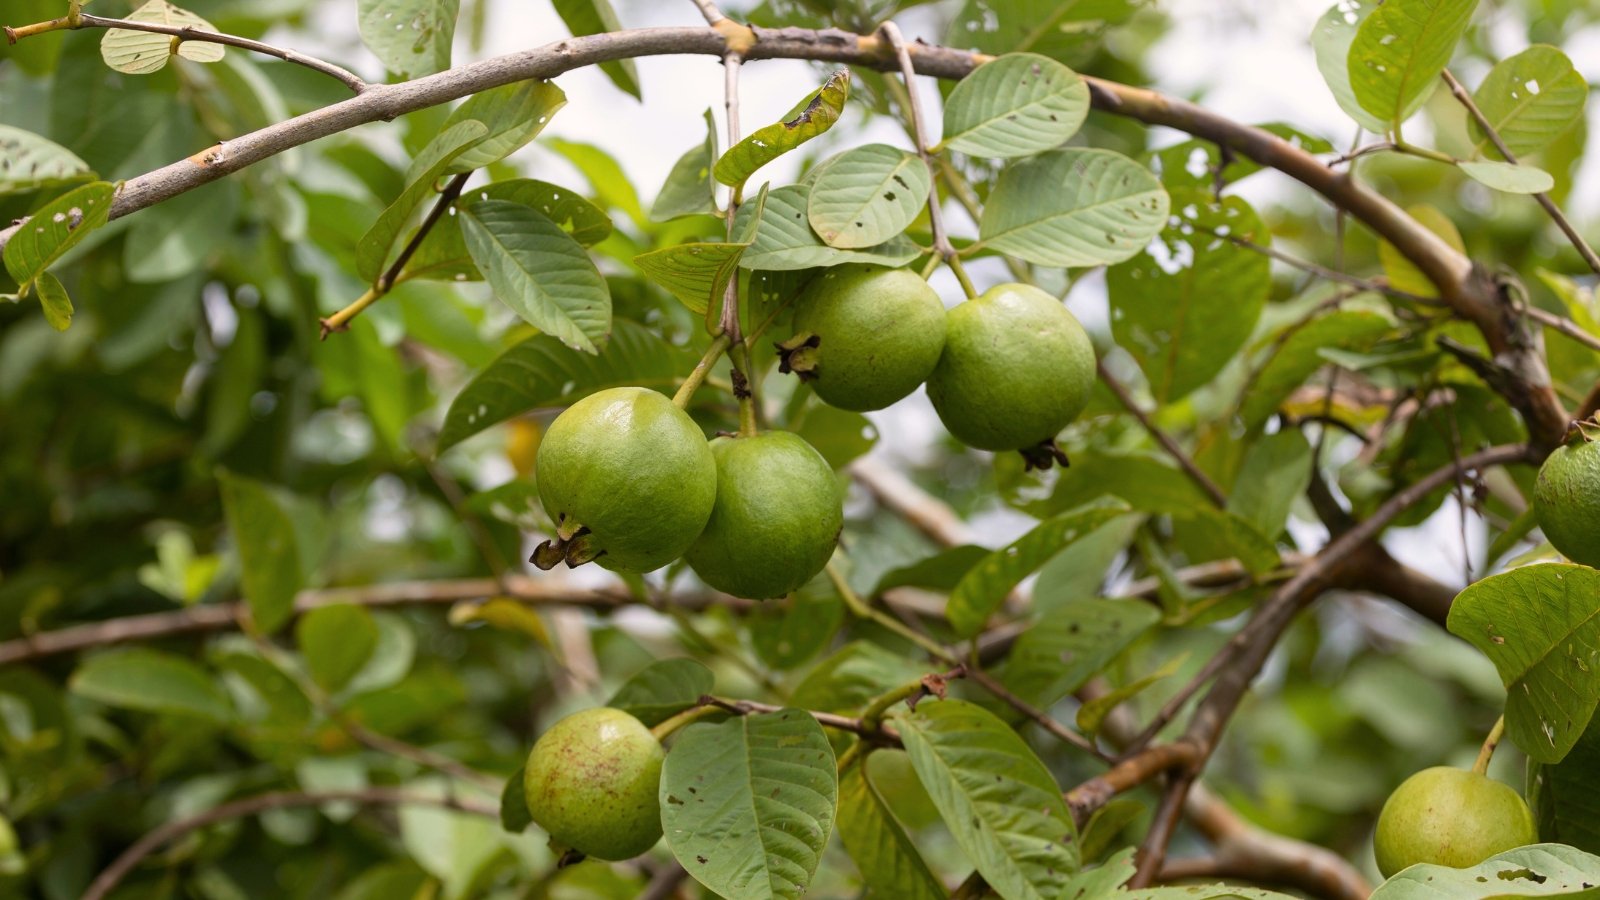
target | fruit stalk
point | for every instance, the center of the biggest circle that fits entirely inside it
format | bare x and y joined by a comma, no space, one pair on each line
697,375
1489,743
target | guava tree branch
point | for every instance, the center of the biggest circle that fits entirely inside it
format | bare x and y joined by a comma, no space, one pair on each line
108,880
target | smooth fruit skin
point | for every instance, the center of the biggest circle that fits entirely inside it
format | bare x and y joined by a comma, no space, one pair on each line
1450,817
632,468
592,782
881,332
1017,368
777,517
1566,499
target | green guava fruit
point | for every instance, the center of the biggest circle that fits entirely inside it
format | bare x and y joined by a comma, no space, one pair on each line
1017,368
865,336
1566,499
592,782
628,478
777,517
1450,817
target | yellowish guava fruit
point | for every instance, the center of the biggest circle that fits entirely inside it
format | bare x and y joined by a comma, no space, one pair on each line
628,478
592,782
1566,499
776,520
1450,817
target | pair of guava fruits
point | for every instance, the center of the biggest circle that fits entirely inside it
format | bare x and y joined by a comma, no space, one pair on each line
1006,370
632,484
1566,500
1450,817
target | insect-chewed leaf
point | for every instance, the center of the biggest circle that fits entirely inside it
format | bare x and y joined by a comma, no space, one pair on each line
867,195
1000,802
56,228
1530,100
1398,52
514,114
372,251
1014,105
1074,207
784,240
663,689
811,117
541,372
443,254
695,273
747,805
412,37
142,52
1538,870
28,161
1540,626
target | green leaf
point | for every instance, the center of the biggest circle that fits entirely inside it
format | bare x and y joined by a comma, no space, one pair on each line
1164,308
1540,870
514,114
28,162
1540,626
940,572
336,641
1059,29
375,247
151,681
1000,802
541,373
663,689
539,271
1403,275
1146,481
883,852
1014,105
53,297
586,17
142,52
784,240
789,632
1566,796
1291,362
269,559
839,435
411,37
695,273
514,814
981,591
810,117
1275,471
1073,207
609,184
1219,534
1077,573
55,228
1092,714
443,253
689,189
867,195
756,827
1055,655
853,675
1513,178
1398,52
1330,42
1529,100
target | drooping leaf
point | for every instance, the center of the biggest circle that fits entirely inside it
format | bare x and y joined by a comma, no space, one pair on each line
1014,105
28,161
1540,626
55,301
151,681
784,240
443,255
539,271
1165,301
663,689
1057,654
56,228
411,37
586,17
1291,362
690,188
142,52
542,373
695,273
269,559
885,855
1330,41
375,247
1566,796
514,114
998,800
747,805
1403,275
1073,207
867,195
1530,99
1511,178
981,591
810,117
336,642
1540,870
1398,52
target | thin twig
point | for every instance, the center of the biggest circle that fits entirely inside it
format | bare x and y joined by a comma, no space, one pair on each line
1200,478
710,11
1562,324
119,869
1321,271
1038,716
1550,207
